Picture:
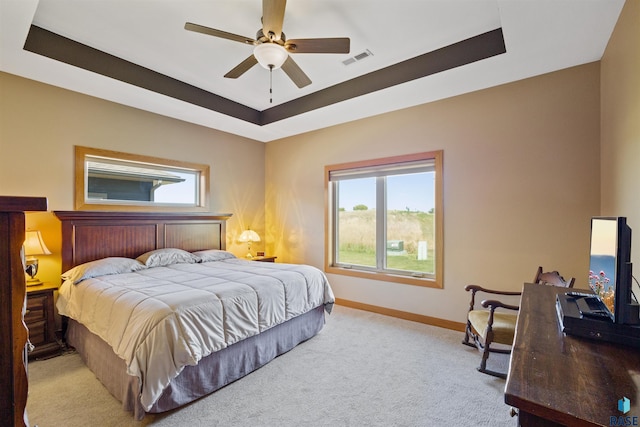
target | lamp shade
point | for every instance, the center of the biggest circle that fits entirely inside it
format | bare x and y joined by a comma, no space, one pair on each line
249,236
34,245
270,55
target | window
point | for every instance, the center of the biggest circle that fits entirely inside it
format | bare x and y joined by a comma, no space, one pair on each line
384,219
112,180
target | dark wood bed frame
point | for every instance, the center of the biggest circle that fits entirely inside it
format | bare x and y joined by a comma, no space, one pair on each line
91,235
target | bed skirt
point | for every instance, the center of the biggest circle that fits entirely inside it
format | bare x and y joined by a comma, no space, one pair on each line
212,372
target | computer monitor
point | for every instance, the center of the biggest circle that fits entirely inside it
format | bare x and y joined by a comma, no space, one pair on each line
610,267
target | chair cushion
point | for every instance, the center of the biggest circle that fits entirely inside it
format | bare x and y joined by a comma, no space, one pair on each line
504,325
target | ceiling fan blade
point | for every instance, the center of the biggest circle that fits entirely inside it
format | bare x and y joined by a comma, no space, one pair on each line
327,45
217,33
242,68
295,73
273,17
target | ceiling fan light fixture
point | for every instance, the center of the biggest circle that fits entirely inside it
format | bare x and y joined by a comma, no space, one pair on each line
270,55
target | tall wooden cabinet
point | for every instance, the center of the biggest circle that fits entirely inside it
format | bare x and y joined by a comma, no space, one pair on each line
13,332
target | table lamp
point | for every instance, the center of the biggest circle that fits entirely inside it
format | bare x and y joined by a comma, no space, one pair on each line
33,245
247,237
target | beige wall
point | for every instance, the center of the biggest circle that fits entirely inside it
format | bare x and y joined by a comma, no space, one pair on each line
522,170
621,124
521,181
40,124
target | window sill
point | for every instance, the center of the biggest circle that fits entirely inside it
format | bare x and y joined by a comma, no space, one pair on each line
386,277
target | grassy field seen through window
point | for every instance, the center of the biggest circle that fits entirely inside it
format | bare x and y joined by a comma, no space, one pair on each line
357,239
407,262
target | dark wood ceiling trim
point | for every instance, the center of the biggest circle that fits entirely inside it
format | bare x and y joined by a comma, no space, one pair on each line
55,46
462,53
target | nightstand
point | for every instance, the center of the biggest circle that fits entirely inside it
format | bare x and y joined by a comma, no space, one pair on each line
40,321
264,258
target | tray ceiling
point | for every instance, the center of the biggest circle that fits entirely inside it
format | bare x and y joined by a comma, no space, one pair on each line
137,53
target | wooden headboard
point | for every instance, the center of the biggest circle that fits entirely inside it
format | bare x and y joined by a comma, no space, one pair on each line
90,235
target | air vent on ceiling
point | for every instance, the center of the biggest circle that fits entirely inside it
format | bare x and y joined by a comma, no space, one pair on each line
359,57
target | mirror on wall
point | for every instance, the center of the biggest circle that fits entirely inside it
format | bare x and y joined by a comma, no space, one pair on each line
111,180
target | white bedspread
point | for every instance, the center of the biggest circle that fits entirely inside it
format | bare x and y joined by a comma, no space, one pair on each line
161,319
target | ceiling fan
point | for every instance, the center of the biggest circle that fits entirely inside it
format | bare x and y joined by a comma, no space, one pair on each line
272,49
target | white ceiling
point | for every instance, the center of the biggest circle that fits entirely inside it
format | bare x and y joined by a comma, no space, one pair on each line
540,36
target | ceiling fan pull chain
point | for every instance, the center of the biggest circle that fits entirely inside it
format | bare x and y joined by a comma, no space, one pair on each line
270,84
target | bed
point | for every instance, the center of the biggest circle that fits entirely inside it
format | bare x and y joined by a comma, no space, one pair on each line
163,315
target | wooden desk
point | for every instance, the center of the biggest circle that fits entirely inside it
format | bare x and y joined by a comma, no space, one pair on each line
563,380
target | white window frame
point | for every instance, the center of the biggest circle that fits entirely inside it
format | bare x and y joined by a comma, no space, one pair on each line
380,168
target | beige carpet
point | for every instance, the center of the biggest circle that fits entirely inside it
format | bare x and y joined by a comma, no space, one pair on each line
363,369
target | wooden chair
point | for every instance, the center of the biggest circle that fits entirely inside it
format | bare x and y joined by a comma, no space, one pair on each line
553,278
486,326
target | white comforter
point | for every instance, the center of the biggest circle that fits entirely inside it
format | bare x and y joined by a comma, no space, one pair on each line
161,319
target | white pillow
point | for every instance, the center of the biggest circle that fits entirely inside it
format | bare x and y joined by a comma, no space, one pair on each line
213,255
167,256
102,267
